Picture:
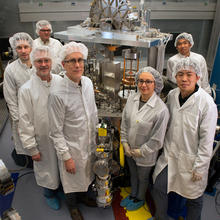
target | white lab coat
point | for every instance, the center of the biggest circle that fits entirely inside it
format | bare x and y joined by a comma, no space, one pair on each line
55,47
204,78
15,75
144,128
34,129
188,142
73,119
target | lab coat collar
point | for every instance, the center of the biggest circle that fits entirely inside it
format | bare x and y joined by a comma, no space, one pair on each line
47,43
182,56
190,101
23,64
151,102
43,82
75,85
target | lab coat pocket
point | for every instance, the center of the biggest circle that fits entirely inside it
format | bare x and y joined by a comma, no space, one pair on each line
143,130
185,162
185,165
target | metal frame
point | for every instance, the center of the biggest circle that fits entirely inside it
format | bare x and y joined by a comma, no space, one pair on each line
79,10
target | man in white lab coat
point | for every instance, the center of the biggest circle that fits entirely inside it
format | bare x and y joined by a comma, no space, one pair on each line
44,30
183,43
15,75
183,166
34,124
73,119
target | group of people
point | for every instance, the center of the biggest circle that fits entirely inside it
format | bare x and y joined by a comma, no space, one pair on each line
53,118
183,128
54,122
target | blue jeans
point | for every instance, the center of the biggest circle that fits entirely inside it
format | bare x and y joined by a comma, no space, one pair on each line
139,177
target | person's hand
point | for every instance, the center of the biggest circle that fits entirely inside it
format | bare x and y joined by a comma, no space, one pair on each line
136,153
196,176
127,149
36,157
70,166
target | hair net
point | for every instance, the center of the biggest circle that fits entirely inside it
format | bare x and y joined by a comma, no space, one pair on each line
73,47
157,77
20,38
40,52
186,36
187,64
41,24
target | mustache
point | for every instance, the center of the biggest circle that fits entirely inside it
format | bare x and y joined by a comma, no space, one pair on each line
43,68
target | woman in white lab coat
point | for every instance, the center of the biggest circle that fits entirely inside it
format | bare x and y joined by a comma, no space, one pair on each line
188,143
143,127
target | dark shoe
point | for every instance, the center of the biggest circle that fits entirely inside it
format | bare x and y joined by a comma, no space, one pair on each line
88,201
76,214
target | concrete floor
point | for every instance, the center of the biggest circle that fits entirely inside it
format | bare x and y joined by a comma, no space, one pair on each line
29,201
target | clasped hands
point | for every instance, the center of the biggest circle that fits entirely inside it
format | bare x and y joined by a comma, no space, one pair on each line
131,152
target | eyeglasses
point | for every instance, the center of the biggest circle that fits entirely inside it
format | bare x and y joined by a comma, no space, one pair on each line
41,61
45,30
74,61
147,82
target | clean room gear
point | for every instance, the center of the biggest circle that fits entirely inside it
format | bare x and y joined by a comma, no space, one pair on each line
157,77
136,153
203,81
186,36
36,55
73,118
43,24
73,47
126,201
20,38
204,76
191,148
143,128
15,75
55,47
188,63
44,39
34,129
53,44
34,124
188,152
